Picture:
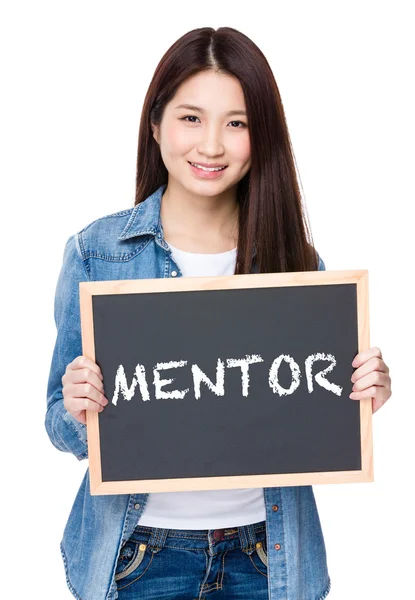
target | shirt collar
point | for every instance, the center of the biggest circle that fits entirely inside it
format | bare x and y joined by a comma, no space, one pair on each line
145,217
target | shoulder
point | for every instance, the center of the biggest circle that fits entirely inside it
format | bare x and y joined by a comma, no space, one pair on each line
99,238
112,224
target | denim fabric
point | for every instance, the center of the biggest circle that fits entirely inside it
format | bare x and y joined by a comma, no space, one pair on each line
171,564
130,245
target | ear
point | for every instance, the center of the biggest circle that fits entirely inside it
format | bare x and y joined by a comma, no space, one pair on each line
155,130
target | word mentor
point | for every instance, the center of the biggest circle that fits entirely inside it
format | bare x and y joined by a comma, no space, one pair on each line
218,388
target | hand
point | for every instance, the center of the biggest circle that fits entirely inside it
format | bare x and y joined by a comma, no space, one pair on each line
83,388
371,378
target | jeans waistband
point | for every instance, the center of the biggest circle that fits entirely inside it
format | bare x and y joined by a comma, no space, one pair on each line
246,535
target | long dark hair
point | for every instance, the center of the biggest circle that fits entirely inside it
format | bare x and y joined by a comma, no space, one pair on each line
273,224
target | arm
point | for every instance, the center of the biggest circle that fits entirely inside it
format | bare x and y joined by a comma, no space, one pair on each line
65,432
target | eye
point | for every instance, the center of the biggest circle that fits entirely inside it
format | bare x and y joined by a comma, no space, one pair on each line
189,117
243,124
194,117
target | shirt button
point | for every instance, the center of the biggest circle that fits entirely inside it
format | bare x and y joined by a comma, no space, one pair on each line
277,547
275,508
136,506
173,273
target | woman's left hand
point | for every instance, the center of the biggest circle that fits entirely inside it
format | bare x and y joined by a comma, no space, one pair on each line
371,378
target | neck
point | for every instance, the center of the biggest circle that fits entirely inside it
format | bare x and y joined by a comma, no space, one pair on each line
199,223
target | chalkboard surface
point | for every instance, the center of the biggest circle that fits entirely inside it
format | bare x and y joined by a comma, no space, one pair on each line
227,383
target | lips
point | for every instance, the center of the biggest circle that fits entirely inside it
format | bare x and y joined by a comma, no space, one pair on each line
206,173
208,166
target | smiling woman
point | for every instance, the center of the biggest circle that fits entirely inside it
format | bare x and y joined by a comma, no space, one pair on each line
216,193
207,153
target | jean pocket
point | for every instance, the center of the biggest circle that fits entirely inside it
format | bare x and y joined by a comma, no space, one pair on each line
259,558
261,550
134,560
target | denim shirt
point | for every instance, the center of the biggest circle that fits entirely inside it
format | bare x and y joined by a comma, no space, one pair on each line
130,245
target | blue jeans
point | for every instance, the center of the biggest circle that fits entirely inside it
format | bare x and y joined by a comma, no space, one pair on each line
186,564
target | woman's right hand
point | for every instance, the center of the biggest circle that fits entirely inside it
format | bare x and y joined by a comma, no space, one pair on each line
83,388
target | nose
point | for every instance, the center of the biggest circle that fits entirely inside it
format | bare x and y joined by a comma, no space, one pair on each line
211,144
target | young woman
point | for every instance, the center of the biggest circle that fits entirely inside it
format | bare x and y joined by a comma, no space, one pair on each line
216,194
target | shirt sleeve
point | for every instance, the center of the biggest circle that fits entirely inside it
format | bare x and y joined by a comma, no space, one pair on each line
321,265
65,432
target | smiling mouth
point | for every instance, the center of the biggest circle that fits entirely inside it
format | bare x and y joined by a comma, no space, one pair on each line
209,169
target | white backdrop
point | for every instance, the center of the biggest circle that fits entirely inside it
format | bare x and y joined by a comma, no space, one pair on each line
74,75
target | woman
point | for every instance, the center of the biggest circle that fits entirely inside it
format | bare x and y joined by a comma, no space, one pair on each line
216,194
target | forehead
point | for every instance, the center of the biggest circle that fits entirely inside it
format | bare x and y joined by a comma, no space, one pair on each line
210,90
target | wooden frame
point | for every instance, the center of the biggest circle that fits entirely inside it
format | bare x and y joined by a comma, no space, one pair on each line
89,289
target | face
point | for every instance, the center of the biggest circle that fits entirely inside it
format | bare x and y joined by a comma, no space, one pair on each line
213,132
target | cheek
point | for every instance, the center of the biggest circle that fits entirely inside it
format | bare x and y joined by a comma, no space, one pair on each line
241,150
174,142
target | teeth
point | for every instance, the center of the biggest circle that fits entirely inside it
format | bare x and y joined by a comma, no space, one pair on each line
207,168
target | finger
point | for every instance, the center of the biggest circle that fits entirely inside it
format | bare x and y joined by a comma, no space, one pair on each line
376,392
84,375
80,404
373,364
80,362
79,415
373,378
87,390
363,356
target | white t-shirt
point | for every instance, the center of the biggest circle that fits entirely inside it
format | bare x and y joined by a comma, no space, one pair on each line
207,509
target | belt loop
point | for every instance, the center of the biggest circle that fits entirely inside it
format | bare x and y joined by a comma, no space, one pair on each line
243,538
252,536
247,538
157,538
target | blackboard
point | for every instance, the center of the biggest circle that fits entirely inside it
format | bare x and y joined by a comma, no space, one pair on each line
219,382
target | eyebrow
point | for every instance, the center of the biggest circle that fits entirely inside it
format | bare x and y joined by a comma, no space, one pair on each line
201,110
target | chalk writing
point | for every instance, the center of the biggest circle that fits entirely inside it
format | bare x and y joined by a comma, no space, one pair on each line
218,388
